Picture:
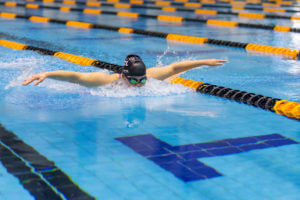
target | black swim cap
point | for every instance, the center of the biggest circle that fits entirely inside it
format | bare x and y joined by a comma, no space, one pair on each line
134,66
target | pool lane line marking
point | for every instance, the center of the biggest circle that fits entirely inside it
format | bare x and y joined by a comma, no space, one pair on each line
183,160
178,19
239,3
27,175
269,50
282,107
181,5
41,177
187,9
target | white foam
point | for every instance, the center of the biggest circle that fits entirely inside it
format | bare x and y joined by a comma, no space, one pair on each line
118,88
153,87
21,63
295,69
27,65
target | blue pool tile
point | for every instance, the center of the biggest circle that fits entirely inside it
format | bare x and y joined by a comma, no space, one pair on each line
188,172
172,165
129,141
165,158
152,141
124,188
207,172
97,189
276,143
192,163
270,136
149,186
209,145
175,184
175,168
224,151
145,151
16,197
184,148
195,154
145,166
137,196
249,147
188,176
242,141
195,195
143,148
214,191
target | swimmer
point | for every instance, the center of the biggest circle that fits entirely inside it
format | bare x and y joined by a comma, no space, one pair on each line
134,73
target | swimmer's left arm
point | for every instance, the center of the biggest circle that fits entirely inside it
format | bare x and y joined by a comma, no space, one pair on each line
162,73
91,79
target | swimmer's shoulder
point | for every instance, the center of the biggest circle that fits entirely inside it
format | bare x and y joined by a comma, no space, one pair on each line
103,75
98,78
113,77
159,73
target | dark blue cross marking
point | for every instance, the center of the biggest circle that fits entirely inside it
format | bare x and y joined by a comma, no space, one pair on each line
182,160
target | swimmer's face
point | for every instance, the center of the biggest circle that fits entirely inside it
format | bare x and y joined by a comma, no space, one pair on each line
136,81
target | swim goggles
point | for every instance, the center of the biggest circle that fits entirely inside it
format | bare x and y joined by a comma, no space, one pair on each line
136,79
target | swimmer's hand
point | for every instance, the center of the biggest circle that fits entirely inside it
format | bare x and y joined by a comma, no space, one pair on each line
37,77
214,62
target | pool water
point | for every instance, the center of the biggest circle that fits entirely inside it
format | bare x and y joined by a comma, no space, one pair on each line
161,141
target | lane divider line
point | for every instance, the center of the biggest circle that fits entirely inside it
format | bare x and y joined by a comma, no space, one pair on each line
65,9
283,107
79,24
213,22
202,3
27,175
39,19
271,50
187,8
180,4
248,3
40,176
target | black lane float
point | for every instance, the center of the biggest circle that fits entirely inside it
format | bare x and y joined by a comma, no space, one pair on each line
283,107
268,50
188,7
220,23
38,175
169,3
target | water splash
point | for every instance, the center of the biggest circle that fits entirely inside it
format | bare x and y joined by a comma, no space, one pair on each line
153,87
28,66
160,57
32,65
118,88
294,69
20,63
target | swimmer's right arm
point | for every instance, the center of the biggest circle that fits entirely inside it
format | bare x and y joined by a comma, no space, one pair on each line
86,79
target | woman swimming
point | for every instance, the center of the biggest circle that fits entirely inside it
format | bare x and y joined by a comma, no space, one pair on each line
134,73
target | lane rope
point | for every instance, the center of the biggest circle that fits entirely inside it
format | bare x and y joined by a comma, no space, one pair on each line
268,50
220,23
188,7
179,4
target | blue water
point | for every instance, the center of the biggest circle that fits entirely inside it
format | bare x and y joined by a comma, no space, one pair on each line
77,127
